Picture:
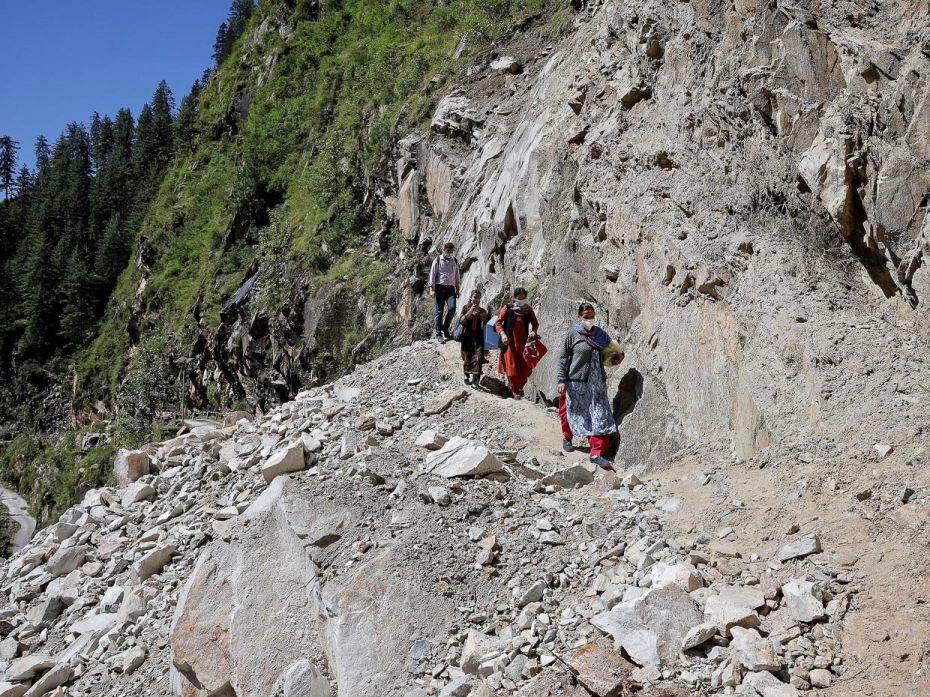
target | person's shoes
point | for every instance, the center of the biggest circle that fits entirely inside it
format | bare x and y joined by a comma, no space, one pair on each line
601,462
441,339
567,446
517,395
467,380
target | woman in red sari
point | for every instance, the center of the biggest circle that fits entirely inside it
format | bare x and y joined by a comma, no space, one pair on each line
517,324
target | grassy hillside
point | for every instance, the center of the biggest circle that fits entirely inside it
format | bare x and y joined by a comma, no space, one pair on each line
292,130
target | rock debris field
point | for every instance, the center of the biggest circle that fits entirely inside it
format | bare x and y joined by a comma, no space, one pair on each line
395,534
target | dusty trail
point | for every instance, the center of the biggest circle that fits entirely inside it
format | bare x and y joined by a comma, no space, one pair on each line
879,541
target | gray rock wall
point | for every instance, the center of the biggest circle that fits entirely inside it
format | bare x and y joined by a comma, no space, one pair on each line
740,188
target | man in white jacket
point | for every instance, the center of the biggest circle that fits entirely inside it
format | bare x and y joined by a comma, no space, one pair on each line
444,282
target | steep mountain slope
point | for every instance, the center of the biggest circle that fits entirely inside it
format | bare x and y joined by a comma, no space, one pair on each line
339,546
741,189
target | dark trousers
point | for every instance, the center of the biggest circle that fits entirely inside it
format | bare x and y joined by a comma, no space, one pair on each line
444,299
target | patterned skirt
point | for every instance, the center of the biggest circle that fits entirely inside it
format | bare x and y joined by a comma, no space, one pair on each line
588,406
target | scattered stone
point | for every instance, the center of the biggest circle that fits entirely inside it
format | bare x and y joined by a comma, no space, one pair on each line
804,600
440,495
752,651
698,635
507,64
461,458
130,465
431,440
809,544
135,492
153,562
285,460
602,671
442,401
532,594
821,678
767,685
133,658
28,667
652,627
883,449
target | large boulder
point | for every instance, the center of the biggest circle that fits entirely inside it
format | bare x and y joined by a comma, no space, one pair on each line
652,627
255,607
288,459
461,458
130,465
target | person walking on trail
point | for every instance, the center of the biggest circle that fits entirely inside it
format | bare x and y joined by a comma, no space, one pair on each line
473,319
517,325
444,281
584,406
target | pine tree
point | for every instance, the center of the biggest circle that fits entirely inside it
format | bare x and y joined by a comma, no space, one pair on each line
8,150
185,123
24,182
221,44
112,252
42,153
229,32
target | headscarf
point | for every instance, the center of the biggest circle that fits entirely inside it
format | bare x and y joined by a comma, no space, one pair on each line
597,337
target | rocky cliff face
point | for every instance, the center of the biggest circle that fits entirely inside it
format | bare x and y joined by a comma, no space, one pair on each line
741,188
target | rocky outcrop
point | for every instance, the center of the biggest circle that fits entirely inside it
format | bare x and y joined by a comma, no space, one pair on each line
718,179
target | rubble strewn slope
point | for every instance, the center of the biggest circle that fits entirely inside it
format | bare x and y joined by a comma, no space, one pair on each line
328,549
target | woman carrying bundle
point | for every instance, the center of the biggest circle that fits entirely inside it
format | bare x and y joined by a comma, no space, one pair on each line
584,406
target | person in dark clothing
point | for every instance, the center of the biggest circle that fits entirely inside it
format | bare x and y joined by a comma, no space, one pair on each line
473,319
444,281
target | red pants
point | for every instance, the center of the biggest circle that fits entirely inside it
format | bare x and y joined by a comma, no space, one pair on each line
598,443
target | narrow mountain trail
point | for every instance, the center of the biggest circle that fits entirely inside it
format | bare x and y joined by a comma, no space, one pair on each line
886,547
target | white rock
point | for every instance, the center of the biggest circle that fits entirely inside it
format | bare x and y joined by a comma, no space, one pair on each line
66,560
477,646
651,628
768,685
440,495
130,465
752,651
461,458
135,492
803,600
153,562
285,460
698,635
28,667
683,575
133,658
431,440
820,677
58,675
809,544
8,689
734,607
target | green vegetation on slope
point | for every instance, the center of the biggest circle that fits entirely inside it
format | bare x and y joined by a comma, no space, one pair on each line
291,134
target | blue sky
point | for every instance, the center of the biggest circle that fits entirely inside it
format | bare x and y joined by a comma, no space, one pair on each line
65,59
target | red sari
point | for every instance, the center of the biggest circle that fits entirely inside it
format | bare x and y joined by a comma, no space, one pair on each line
511,360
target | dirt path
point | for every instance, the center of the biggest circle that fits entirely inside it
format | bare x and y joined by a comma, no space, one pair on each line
879,542
18,511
